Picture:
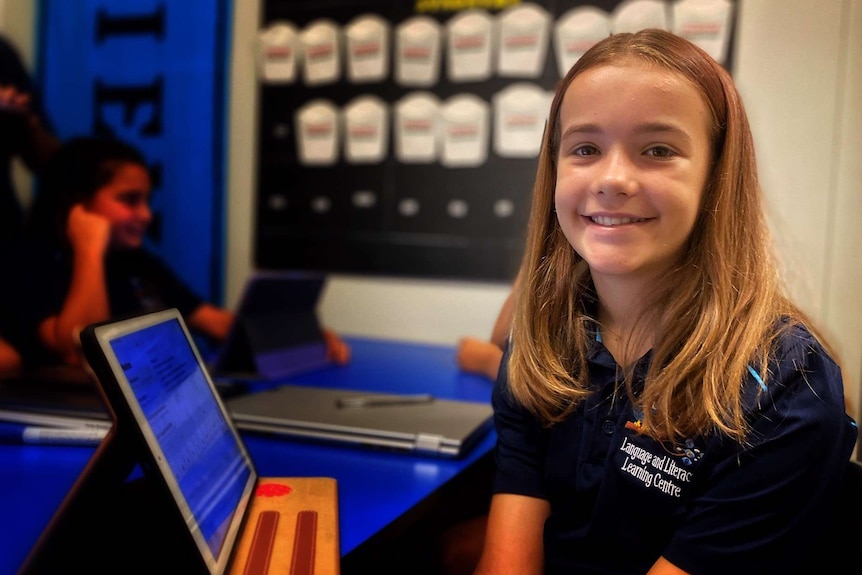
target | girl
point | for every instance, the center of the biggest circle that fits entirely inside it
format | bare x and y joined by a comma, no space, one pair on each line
662,407
87,261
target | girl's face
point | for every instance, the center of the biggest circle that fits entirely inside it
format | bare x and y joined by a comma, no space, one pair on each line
633,161
124,202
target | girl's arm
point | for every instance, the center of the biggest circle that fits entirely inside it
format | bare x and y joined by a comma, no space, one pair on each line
87,299
10,360
479,356
337,350
500,332
513,542
483,357
665,567
212,321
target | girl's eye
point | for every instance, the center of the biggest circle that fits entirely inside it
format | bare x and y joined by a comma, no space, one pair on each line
132,199
660,152
585,150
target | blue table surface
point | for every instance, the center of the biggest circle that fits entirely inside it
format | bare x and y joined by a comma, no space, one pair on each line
375,487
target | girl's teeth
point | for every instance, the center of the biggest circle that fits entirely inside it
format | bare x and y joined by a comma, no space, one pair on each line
605,221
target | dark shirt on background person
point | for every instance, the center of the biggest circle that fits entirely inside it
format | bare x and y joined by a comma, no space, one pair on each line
136,280
24,134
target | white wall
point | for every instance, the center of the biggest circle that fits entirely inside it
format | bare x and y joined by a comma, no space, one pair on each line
16,23
843,314
799,69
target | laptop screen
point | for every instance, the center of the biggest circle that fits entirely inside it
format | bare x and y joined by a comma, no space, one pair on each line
258,346
196,448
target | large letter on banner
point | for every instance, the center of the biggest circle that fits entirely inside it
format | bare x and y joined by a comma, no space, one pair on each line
150,72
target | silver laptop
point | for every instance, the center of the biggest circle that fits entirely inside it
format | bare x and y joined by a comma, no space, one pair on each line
420,424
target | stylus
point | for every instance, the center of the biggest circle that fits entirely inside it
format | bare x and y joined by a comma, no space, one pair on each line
373,401
55,435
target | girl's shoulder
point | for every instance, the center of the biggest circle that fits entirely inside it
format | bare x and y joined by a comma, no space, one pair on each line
797,343
801,394
799,366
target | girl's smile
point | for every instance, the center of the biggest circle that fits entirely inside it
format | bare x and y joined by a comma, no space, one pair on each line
124,202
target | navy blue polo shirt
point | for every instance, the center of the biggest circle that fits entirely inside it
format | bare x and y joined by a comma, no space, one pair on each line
620,500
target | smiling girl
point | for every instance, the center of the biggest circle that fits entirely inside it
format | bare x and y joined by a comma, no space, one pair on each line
662,407
85,260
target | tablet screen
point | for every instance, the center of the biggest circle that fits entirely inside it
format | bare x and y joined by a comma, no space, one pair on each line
193,443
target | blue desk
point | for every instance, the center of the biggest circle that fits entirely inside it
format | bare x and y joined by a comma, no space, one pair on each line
379,492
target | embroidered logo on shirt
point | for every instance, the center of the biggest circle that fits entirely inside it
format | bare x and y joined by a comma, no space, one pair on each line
664,472
655,464
687,452
636,423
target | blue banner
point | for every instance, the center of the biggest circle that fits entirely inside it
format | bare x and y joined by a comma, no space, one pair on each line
151,72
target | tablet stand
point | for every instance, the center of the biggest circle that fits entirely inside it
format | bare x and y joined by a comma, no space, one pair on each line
112,521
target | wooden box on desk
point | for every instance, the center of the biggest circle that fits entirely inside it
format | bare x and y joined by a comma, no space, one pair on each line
291,529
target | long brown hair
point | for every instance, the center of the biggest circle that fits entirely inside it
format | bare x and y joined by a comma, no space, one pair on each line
714,315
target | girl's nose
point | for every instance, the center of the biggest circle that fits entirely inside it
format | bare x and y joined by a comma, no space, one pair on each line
618,174
144,213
